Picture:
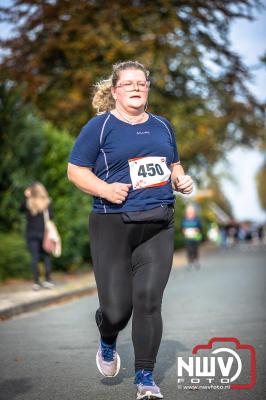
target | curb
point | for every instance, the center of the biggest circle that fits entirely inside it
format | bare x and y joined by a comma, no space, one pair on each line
53,299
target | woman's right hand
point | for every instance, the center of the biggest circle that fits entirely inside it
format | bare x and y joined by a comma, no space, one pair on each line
116,192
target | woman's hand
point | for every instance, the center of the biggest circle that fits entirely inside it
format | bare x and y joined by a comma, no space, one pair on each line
183,184
116,192
27,192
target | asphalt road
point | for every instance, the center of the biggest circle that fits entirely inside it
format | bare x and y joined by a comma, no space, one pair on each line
50,354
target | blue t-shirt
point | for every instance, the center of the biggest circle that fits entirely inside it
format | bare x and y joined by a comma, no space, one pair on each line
106,144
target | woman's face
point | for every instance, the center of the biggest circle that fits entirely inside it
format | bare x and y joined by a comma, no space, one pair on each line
131,91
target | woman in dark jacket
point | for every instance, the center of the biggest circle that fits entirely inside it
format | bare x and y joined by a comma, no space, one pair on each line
35,203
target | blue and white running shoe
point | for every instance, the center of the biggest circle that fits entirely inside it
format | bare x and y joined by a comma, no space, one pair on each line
108,360
146,387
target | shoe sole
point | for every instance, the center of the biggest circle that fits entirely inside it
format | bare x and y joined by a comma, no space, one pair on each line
149,396
117,367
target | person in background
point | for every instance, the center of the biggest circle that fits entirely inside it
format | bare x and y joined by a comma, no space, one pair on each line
192,230
34,205
260,233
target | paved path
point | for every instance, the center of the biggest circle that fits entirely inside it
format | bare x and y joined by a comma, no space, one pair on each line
49,354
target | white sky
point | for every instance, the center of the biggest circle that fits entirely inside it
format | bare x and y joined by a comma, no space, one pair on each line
249,40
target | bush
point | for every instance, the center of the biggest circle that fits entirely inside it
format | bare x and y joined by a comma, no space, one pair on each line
15,258
21,152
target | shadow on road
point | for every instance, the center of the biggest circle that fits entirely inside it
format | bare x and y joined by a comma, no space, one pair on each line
12,388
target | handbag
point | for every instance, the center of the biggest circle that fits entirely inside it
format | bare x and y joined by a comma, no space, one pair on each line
51,240
161,214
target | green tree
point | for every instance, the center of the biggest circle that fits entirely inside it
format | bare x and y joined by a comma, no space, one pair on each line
60,48
21,149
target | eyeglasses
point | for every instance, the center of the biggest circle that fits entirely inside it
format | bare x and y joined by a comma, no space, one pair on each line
130,86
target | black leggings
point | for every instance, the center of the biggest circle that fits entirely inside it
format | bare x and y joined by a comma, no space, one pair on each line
132,263
192,247
36,250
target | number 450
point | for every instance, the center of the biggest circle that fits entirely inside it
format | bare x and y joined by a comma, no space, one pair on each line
150,170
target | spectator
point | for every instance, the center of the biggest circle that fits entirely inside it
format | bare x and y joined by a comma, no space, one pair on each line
35,204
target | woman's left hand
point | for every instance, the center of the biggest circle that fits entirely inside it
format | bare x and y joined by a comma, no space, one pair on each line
183,184
27,192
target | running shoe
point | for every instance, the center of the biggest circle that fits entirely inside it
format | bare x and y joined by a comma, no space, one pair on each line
48,284
108,360
146,387
36,286
197,265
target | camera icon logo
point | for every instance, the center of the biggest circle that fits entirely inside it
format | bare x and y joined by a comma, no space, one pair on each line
222,363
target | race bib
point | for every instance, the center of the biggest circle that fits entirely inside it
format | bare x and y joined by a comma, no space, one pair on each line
148,172
192,233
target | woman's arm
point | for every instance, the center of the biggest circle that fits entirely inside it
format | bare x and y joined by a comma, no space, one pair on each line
88,182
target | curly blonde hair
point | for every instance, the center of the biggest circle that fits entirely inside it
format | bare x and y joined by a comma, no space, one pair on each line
38,201
103,100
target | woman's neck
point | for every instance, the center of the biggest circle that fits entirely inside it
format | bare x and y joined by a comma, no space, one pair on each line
135,117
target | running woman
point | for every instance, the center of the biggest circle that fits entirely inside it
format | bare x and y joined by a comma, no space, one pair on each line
127,159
